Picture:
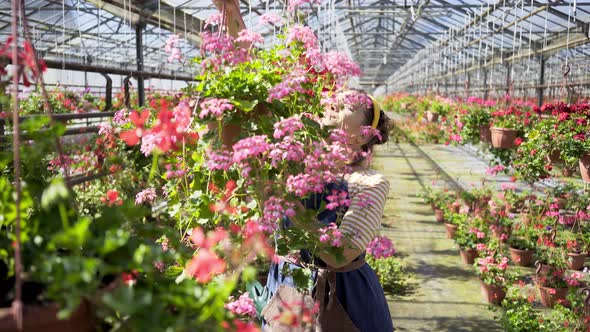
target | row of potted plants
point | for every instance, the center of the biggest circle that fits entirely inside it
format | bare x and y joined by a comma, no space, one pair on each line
531,140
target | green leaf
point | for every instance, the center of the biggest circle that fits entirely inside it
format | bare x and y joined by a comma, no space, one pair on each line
53,194
245,105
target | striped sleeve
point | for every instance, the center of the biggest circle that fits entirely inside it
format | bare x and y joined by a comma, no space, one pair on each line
362,221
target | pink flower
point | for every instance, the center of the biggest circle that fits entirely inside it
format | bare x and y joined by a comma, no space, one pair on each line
215,107
145,196
250,37
336,199
340,65
287,127
172,47
213,20
480,235
272,19
302,34
370,132
121,117
219,160
250,147
381,247
331,234
182,116
274,210
244,305
205,265
291,84
481,247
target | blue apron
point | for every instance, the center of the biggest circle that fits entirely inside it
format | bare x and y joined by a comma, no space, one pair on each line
359,291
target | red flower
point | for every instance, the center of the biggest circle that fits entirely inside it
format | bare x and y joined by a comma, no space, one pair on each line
130,279
518,141
112,198
132,137
205,265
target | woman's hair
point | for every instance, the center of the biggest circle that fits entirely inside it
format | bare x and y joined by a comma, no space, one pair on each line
383,126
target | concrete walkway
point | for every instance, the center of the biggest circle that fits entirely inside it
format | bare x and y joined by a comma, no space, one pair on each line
447,294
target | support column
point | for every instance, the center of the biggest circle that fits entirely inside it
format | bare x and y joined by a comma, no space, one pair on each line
508,78
541,89
126,91
486,88
108,99
139,54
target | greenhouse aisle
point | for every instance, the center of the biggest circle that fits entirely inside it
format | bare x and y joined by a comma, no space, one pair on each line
446,294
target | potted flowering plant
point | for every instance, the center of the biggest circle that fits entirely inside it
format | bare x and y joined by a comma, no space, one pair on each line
575,246
453,220
531,162
471,240
505,127
550,273
495,275
522,244
438,199
477,124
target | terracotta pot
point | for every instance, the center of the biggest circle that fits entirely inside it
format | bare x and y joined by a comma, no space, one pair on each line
451,230
567,172
485,135
431,116
555,157
521,257
576,261
561,202
492,293
44,318
585,167
503,138
439,215
550,296
468,256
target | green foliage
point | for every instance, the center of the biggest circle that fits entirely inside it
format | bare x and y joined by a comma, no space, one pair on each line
392,274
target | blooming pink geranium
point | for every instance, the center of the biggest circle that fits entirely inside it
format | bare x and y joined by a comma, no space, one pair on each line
213,20
145,196
302,34
287,127
272,19
273,212
381,247
244,305
249,37
331,234
215,107
336,199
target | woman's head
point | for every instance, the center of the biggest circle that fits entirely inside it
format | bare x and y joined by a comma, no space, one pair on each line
354,112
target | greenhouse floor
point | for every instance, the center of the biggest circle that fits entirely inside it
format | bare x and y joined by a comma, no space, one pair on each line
446,293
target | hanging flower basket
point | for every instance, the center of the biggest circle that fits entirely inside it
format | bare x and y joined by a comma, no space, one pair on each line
451,230
585,167
492,293
439,215
551,296
485,135
432,116
469,256
503,138
521,257
576,261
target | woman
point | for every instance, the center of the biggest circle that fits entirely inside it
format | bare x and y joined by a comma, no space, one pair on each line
360,303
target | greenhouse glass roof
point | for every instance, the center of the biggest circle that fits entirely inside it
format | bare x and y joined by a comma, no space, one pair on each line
384,37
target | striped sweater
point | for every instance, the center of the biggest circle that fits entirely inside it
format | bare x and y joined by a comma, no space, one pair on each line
368,192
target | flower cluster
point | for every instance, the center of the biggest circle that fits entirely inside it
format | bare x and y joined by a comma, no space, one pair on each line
274,210
145,196
215,107
244,305
205,264
381,247
330,234
337,199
